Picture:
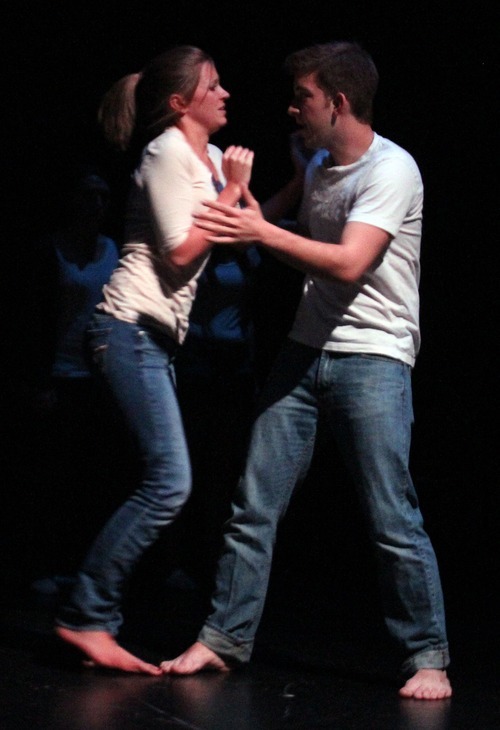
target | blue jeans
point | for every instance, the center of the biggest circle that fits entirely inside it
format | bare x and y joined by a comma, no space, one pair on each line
367,401
136,364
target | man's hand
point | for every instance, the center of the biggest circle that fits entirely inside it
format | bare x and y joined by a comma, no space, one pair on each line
230,225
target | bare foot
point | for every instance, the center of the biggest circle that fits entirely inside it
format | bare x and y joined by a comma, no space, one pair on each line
102,650
427,684
194,659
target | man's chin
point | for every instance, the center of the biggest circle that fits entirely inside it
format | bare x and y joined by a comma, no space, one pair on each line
308,140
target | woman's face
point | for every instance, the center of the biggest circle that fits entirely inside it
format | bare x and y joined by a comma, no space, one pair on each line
207,107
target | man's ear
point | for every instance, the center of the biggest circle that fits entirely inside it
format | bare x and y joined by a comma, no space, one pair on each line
338,101
339,105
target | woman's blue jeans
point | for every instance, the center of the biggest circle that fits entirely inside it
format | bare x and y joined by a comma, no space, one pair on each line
367,401
136,364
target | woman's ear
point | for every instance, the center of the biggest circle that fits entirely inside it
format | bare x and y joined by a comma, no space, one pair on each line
177,103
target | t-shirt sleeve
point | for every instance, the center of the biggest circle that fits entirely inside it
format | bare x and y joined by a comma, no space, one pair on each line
168,182
388,194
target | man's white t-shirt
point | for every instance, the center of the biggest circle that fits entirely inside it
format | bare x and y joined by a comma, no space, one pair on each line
378,314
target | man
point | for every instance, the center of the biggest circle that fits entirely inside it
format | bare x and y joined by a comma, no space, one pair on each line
349,353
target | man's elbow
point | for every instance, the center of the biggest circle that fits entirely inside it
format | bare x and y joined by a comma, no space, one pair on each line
348,274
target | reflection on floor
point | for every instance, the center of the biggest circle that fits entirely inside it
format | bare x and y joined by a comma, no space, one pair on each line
322,657
314,667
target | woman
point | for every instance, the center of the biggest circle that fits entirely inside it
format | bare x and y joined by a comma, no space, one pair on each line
169,110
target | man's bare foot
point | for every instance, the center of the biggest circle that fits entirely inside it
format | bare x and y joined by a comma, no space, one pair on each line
427,684
195,659
102,650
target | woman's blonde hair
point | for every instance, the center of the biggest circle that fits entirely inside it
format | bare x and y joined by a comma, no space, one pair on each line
116,114
136,108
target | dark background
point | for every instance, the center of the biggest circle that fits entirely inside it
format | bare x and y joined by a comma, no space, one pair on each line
437,98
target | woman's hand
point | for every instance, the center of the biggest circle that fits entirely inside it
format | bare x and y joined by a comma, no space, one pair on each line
230,225
237,165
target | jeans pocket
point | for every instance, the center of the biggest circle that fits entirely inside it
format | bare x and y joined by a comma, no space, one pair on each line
97,339
376,357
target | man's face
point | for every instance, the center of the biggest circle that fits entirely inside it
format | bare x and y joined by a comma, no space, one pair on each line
312,110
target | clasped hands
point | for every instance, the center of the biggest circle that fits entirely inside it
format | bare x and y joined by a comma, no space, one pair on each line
227,224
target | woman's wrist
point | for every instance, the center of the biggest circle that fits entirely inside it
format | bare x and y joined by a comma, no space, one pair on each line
231,193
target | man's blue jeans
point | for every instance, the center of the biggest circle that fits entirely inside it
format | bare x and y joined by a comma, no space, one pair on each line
136,363
367,401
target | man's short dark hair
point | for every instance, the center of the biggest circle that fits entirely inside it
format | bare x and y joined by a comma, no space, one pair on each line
340,66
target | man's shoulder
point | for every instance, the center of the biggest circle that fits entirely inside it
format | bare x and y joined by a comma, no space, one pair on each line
391,164
386,149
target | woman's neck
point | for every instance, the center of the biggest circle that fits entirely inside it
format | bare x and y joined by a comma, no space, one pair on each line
196,137
198,141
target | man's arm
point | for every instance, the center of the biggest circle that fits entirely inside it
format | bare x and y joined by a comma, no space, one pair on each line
360,245
282,202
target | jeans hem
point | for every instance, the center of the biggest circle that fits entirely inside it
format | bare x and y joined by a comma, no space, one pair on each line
438,658
228,648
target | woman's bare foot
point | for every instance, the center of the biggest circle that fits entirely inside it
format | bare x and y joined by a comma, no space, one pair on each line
427,684
102,650
194,659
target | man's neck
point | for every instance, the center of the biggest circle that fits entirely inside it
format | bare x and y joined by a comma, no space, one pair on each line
352,144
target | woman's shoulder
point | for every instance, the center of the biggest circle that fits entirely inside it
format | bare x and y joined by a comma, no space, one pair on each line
171,142
169,151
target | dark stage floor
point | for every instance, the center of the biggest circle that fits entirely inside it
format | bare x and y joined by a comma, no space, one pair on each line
322,657
313,668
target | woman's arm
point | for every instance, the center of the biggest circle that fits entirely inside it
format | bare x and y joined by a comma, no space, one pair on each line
359,246
237,167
